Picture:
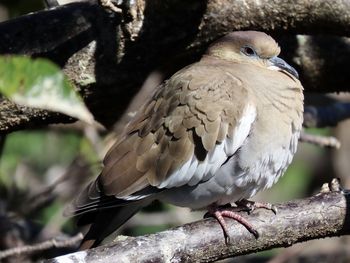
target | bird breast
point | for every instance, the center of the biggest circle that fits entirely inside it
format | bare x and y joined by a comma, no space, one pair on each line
242,176
263,157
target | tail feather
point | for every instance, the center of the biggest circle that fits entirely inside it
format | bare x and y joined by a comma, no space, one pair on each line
106,222
106,213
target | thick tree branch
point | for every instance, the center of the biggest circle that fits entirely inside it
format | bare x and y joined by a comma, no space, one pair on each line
323,215
108,56
323,116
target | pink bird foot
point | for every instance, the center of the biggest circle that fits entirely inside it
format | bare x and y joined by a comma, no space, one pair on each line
219,212
231,212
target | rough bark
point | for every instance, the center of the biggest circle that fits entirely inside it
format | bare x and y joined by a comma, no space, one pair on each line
108,56
323,215
329,115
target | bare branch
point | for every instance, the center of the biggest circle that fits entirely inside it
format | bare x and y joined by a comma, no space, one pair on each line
324,116
324,141
53,243
323,215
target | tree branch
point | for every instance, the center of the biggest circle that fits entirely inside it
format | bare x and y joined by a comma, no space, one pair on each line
323,141
53,243
108,56
323,215
323,116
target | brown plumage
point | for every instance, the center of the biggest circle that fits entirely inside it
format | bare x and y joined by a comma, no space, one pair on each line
180,141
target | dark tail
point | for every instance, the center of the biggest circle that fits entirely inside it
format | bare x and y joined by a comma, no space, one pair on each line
107,221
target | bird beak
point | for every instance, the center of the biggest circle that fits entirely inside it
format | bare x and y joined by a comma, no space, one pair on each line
276,63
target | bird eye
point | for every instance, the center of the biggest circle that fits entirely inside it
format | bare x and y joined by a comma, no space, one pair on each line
248,51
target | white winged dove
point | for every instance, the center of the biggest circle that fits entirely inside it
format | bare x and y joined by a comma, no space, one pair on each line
215,133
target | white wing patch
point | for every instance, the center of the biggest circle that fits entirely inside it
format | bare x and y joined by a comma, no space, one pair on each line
242,130
194,171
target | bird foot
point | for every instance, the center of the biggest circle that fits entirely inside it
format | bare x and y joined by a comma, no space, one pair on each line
231,212
250,206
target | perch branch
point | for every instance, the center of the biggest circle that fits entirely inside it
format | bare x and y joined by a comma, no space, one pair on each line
323,215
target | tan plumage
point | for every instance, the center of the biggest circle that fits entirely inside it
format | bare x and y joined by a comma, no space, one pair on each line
162,141
184,139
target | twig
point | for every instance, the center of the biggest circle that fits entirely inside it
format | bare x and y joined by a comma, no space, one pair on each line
324,141
53,243
323,215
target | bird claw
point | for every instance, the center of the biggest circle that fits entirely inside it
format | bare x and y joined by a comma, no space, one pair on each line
231,212
250,206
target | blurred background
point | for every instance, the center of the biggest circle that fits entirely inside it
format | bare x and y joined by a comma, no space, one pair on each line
42,169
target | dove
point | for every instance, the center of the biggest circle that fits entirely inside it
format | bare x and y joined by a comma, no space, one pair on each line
210,137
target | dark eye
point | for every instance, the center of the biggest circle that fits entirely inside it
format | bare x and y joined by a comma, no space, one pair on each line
248,51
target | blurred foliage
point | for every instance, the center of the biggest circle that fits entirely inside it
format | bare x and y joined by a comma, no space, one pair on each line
319,131
30,165
39,152
40,170
41,149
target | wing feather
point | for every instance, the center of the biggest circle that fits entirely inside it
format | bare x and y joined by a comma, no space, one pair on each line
193,123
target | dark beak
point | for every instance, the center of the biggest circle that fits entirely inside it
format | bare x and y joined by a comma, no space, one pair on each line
281,65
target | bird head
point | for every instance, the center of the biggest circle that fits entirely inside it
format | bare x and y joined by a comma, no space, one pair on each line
251,47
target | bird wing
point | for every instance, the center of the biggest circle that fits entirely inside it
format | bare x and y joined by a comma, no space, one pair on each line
192,124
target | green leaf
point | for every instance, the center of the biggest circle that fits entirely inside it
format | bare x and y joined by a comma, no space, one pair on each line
39,83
